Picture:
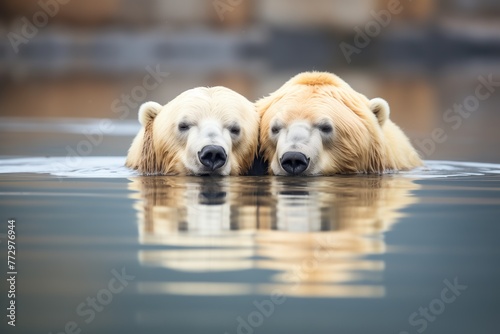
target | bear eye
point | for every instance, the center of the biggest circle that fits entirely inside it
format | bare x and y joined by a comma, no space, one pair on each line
235,130
275,129
325,128
184,126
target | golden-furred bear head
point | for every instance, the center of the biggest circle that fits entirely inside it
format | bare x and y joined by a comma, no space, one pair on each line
316,124
203,131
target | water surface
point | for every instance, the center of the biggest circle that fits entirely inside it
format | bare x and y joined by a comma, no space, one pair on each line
342,254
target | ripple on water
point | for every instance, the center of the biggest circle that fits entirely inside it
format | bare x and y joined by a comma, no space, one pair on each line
113,167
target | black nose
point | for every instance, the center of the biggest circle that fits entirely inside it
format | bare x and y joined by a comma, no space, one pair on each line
212,156
294,162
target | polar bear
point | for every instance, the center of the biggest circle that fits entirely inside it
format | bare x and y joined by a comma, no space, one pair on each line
203,131
316,124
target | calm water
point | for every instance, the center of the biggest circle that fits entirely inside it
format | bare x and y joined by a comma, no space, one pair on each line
345,254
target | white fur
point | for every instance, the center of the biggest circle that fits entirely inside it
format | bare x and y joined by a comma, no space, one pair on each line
381,109
299,137
148,111
210,114
210,131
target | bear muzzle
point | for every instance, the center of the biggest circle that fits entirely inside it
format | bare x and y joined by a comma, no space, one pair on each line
213,157
294,163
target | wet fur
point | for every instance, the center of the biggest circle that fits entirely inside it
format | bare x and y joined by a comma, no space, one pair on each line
367,141
152,153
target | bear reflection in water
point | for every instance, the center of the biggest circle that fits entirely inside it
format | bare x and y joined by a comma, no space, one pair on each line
306,236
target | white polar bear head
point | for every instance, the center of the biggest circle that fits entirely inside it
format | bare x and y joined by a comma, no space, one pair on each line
203,131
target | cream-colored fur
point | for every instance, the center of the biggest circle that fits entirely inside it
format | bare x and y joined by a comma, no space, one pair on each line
298,117
172,136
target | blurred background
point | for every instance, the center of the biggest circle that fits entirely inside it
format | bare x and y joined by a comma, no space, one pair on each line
65,64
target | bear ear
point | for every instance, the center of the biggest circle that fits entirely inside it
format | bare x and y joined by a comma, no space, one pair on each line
148,111
381,109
